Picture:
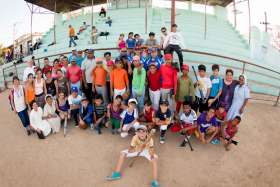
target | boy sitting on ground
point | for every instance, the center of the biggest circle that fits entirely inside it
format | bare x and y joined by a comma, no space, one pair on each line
85,114
99,113
163,119
207,126
129,117
142,145
220,114
148,114
228,131
114,114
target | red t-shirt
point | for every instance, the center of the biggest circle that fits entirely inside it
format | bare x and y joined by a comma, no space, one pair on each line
231,130
74,74
46,69
154,81
168,77
221,116
149,115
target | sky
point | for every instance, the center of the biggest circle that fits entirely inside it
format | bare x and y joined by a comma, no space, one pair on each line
15,18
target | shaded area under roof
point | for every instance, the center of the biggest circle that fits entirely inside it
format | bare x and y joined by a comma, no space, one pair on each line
71,5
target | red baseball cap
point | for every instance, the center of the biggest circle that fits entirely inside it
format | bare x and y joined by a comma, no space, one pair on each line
185,67
168,57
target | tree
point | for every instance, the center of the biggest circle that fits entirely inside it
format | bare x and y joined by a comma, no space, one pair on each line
1,54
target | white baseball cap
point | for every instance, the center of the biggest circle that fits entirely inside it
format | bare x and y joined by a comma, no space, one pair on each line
133,100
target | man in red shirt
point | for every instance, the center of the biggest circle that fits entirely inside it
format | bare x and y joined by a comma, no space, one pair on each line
154,85
74,75
168,80
47,67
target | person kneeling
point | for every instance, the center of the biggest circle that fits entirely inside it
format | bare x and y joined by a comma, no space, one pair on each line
85,114
142,145
228,131
148,115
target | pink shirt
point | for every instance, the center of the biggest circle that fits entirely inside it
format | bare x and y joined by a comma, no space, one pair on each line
168,77
74,74
121,44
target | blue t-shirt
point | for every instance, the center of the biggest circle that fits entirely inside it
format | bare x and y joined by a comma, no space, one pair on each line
163,116
130,43
204,124
158,61
79,60
217,85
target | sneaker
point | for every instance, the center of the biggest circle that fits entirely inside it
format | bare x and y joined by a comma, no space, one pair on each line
161,140
124,134
215,142
183,144
114,176
154,183
91,126
28,132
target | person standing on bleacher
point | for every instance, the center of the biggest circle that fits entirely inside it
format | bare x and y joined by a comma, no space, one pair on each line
71,36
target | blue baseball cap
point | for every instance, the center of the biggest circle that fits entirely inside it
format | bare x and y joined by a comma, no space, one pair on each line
90,50
74,89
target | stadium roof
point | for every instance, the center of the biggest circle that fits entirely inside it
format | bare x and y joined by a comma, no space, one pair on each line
70,5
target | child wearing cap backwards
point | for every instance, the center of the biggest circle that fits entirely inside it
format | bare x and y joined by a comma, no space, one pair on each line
217,86
168,79
203,87
185,89
148,114
207,126
74,101
85,114
114,111
228,131
99,74
163,119
119,80
154,85
138,82
99,113
129,117
142,145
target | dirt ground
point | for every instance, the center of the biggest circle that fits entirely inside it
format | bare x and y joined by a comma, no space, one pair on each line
84,158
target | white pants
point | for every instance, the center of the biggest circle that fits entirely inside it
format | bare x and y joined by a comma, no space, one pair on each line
165,95
155,97
119,92
126,127
54,123
102,91
145,153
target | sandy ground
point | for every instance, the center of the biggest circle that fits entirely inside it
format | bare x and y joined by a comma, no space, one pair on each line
84,158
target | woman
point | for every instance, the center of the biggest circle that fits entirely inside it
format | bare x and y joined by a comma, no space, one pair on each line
240,99
228,89
50,115
63,107
56,67
40,88
29,90
18,104
38,122
51,84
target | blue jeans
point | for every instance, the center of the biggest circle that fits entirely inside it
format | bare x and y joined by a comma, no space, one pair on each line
71,40
78,85
139,98
24,118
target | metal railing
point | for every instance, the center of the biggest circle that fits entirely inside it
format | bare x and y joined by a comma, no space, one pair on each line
244,63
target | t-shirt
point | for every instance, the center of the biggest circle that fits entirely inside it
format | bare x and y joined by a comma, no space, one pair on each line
157,60
217,85
154,81
27,71
230,130
204,124
100,110
205,83
62,86
79,60
220,117
99,75
151,43
19,99
46,69
163,116
119,79
74,100
189,118
74,74
130,42
149,115
138,144
87,66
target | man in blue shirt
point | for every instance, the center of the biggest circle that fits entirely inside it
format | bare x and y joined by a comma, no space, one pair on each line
80,58
74,53
217,86
154,58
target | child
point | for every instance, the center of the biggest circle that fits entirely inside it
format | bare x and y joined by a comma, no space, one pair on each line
188,122
119,80
221,114
121,42
114,112
85,114
142,145
203,87
185,89
99,113
228,131
130,43
207,126
154,85
99,75
74,101
148,115
217,86
163,119
129,117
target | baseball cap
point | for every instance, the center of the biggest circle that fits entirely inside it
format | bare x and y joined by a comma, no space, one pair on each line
74,89
74,49
118,60
133,100
164,102
110,63
185,67
168,56
90,50
141,127
152,64
73,59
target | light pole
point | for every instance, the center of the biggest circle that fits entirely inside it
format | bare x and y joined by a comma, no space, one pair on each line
14,36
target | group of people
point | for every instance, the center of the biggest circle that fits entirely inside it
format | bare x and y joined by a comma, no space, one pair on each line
137,93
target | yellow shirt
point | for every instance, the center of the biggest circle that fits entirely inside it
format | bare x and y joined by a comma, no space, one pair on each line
138,144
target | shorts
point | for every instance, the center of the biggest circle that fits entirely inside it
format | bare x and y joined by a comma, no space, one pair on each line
145,153
116,124
126,127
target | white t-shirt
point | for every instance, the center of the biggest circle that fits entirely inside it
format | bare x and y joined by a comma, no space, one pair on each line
74,101
27,71
205,84
87,66
19,99
125,111
189,119
174,38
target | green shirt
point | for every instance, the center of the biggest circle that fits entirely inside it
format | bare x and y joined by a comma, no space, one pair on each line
185,89
138,81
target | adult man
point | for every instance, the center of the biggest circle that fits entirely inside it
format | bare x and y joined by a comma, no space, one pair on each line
71,33
47,66
74,75
29,69
174,42
87,66
74,53
80,57
151,41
